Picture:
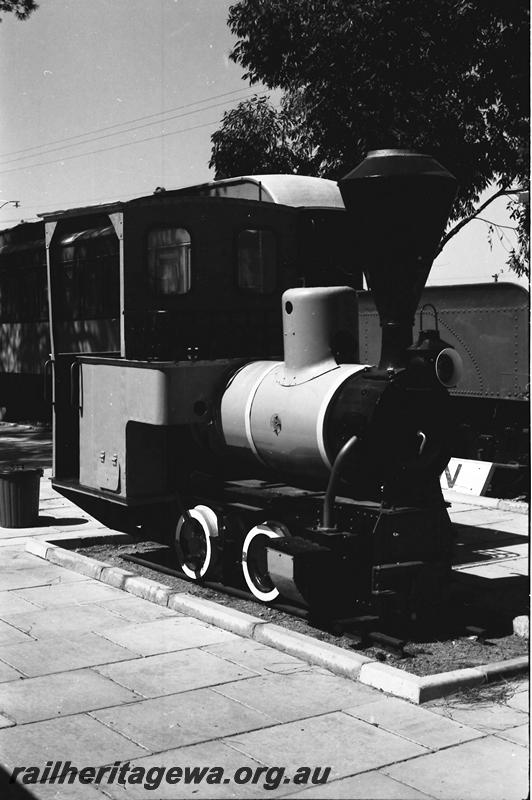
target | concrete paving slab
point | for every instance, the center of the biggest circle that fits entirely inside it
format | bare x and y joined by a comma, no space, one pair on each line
10,535
11,603
79,592
60,654
47,492
72,791
171,673
74,524
62,693
11,635
483,769
40,533
182,719
301,694
510,505
42,574
337,740
488,717
135,609
205,755
516,566
416,724
81,536
258,657
482,516
52,522
520,735
514,550
5,722
16,558
45,622
368,786
474,538
54,501
520,700
517,524
69,509
69,517
166,635
460,506
491,572
13,544
8,673
80,739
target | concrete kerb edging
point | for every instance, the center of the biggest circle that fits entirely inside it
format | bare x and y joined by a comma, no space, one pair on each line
339,661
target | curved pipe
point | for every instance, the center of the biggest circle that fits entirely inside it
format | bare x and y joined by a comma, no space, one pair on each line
428,305
330,494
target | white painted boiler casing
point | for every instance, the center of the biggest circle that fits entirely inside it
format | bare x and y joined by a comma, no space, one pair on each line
276,410
282,425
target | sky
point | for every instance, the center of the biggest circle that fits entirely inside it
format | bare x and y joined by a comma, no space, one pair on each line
104,100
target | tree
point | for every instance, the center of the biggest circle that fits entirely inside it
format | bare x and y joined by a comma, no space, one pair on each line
448,77
20,8
256,138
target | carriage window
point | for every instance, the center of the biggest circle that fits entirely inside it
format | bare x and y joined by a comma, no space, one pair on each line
256,256
169,252
23,289
86,276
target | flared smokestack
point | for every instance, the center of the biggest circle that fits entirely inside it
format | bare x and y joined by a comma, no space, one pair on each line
400,202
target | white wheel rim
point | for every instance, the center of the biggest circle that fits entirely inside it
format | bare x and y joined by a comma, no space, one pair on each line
209,524
271,533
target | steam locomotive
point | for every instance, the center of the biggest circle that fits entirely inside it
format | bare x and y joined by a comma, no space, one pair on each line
312,477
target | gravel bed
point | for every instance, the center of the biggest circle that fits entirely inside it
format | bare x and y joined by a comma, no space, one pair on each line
426,657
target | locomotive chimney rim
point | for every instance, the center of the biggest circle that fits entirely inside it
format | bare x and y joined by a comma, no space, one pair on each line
390,162
400,202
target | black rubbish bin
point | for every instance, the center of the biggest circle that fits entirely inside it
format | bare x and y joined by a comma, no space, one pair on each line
19,497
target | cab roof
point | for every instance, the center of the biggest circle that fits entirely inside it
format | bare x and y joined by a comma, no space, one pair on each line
289,190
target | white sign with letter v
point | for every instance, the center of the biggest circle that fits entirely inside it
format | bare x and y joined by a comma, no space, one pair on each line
466,476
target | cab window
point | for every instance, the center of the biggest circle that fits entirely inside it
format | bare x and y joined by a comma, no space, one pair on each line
169,252
256,260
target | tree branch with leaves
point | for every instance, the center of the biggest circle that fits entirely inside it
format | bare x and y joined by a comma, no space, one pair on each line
20,8
446,77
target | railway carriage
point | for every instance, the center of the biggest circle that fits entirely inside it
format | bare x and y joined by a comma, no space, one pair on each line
24,332
86,308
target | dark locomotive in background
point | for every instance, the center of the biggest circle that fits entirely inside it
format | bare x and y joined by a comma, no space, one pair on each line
314,475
